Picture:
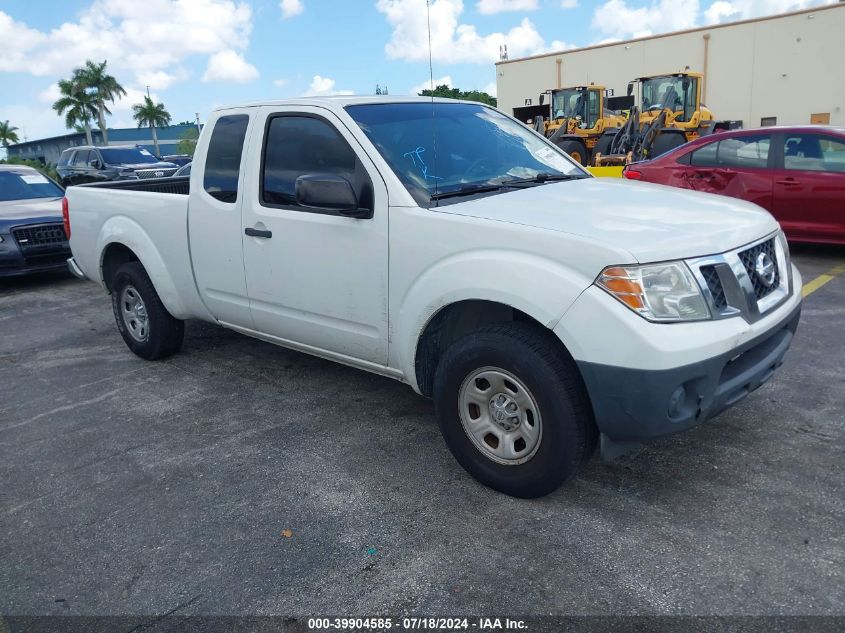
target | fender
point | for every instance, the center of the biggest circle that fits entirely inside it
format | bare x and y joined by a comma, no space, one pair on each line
515,278
123,230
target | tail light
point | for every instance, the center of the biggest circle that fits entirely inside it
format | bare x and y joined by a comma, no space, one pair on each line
632,174
66,217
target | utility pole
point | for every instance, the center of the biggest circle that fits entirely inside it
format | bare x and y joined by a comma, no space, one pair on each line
199,129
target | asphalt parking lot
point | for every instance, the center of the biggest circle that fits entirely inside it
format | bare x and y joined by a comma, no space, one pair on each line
241,478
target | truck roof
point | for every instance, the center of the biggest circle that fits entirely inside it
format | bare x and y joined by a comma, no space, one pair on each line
340,101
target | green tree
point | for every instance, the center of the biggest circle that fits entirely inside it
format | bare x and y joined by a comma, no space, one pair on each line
187,142
76,105
454,93
151,114
102,87
8,134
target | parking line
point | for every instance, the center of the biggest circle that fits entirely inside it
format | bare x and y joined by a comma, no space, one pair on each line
821,280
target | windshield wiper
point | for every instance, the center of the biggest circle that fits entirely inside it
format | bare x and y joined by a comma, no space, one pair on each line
469,190
543,177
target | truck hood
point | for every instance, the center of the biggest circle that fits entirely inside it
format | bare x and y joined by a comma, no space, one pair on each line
37,210
652,222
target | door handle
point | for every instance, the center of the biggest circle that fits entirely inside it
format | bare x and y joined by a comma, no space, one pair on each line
787,181
258,233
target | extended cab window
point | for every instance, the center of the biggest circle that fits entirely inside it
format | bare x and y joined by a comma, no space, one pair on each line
705,157
223,159
299,145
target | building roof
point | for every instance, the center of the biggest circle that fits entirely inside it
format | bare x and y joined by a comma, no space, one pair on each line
712,27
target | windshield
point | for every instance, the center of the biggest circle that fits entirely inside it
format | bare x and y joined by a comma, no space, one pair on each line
127,156
27,185
671,92
567,103
437,148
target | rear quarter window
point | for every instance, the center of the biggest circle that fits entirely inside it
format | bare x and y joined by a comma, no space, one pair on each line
223,159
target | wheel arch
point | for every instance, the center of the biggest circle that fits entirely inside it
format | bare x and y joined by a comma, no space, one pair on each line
453,321
123,240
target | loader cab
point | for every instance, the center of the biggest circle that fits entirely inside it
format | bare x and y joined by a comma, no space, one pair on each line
582,104
680,93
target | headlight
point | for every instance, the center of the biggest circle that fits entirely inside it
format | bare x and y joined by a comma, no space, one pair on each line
657,292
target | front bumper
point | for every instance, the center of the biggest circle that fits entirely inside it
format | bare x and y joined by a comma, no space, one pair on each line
636,405
13,263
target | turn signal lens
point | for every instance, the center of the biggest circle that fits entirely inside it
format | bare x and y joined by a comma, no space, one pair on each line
657,292
632,174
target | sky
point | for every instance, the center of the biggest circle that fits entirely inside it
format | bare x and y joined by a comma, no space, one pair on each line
195,55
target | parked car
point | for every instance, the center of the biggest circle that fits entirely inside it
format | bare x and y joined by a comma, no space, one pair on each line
540,308
184,170
178,159
79,165
796,173
32,238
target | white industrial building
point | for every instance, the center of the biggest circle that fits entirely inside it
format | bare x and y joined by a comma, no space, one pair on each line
785,69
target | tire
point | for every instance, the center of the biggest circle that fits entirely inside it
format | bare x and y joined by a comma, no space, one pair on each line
603,145
133,299
664,143
545,380
575,149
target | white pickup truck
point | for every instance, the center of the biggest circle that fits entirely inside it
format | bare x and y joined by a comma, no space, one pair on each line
446,245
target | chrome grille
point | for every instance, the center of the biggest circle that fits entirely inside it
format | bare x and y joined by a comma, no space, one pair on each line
748,281
155,173
750,259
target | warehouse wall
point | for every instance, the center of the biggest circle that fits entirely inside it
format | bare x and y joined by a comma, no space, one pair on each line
788,67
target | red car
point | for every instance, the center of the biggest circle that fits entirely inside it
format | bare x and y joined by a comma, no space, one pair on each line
796,173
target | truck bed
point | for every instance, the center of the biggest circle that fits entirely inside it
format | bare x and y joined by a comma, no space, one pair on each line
180,186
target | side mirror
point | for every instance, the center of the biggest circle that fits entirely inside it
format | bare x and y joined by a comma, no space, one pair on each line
96,164
630,88
328,192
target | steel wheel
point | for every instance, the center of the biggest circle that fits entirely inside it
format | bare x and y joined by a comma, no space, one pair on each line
500,416
134,314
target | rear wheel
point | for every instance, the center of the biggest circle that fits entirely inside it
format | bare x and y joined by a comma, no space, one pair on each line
575,149
512,410
666,142
146,326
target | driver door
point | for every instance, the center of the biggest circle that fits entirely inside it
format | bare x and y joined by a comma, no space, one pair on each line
316,279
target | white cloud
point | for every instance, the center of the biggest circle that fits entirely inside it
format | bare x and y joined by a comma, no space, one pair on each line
616,18
229,65
280,83
489,7
426,85
568,4
148,39
290,8
723,11
490,89
560,45
324,87
451,41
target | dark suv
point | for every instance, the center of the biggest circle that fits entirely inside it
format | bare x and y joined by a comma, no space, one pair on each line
79,165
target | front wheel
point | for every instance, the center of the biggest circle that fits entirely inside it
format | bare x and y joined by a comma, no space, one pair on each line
146,326
575,149
513,409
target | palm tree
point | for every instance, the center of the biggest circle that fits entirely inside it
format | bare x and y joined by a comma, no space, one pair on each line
102,87
8,134
76,105
152,114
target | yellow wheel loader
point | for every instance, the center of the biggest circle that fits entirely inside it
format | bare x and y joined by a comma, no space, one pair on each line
670,114
579,119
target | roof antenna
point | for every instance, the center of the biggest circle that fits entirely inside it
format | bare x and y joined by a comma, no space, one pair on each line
431,82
